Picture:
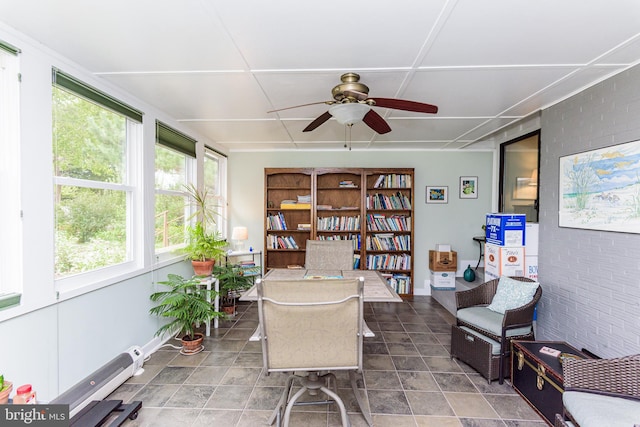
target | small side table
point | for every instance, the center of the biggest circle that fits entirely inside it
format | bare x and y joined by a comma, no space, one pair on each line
481,241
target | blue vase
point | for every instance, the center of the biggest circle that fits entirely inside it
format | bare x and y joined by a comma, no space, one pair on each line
469,274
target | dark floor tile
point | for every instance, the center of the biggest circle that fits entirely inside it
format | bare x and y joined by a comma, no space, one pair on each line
207,375
172,375
511,407
388,402
382,380
419,380
264,398
409,363
241,376
218,358
441,364
155,395
454,382
190,396
401,348
164,417
229,397
217,417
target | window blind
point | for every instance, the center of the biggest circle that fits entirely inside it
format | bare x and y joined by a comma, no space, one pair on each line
169,137
9,48
70,83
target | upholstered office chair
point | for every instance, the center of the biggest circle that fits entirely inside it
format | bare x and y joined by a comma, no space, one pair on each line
313,327
329,255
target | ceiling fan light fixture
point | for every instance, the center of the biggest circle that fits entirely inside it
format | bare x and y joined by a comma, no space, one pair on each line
349,113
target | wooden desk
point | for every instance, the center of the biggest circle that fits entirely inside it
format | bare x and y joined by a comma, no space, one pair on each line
375,287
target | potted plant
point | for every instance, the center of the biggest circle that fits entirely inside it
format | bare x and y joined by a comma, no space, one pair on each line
5,390
188,304
203,248
233,279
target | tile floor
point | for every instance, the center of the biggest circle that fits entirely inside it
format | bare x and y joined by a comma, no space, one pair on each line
408,379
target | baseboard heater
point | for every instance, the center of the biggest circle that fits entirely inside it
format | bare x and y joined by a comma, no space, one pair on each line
102,382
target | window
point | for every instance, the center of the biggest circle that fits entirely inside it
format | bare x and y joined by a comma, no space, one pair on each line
215,183
96,139
10,223
174,168
519,161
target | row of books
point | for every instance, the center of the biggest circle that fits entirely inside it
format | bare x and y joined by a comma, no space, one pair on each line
339,223
389,262
355,238
276,222
281,242
393,181
380,222
401,283
347,184
383,201
388,242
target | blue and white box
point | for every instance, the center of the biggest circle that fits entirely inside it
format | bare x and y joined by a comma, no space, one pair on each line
505,229
443,280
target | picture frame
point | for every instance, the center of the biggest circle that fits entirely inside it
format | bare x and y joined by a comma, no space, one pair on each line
600,189
437,194
468,187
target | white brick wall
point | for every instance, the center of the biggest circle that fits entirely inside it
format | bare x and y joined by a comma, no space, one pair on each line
590,279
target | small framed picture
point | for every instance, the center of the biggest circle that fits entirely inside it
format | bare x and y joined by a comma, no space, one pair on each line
468,187
437,194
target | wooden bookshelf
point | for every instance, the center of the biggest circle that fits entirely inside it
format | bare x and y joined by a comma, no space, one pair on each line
370,206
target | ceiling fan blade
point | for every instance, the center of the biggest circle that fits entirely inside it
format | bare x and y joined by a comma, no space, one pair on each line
302,105
401,104
317,122
376,122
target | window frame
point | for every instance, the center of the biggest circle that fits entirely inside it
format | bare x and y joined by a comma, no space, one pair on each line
11,278
131,186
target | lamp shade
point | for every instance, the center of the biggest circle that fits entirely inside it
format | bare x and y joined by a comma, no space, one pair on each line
240,233
349,113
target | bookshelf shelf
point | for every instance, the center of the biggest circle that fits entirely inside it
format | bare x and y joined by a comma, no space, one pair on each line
359,204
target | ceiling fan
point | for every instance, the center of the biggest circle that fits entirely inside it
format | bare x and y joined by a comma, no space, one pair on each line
351,104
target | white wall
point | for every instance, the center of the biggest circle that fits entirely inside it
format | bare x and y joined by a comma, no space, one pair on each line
455,222
54,340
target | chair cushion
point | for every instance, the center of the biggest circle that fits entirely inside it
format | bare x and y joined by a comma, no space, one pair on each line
596,410
488,320
512,294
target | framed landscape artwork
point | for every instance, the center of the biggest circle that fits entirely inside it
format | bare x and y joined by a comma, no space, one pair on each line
437,194
468,187
600,189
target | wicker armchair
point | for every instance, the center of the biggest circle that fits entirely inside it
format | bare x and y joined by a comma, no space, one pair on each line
517,324
601,392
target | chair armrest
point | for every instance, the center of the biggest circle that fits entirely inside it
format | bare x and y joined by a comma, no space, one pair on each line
615,377
480,295
522,315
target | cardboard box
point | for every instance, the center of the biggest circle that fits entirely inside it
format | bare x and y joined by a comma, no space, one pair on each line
505,229
443,261
444,280
532,233
531,266
503,261
443,247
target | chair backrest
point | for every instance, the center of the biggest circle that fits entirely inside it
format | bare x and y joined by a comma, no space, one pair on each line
329,255
311,324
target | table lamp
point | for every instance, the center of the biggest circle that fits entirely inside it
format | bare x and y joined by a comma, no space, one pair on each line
239,235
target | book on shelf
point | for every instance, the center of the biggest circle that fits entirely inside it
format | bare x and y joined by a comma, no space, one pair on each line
296,205
304,227
324,207
347,184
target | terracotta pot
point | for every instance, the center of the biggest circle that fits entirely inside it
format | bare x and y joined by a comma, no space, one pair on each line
229,309
4,394
203,268
192,346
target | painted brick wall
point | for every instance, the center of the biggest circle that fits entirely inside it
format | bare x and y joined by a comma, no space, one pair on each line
591,279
